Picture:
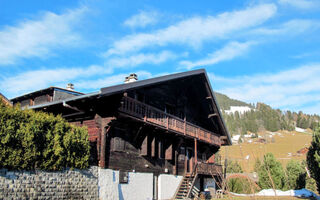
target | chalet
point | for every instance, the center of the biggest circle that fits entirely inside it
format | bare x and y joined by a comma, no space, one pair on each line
170,127
5,100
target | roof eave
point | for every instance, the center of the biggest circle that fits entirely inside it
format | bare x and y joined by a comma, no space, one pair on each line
215,103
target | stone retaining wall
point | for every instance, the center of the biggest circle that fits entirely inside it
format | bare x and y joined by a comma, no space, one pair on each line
67,184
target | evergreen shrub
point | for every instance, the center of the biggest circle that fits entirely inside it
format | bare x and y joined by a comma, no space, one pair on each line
37,140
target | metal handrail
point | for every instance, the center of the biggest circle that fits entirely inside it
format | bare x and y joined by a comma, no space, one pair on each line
194,174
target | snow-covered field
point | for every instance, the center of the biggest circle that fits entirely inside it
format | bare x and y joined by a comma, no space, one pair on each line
272,192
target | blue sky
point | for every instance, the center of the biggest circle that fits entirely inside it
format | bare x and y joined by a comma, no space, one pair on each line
255,51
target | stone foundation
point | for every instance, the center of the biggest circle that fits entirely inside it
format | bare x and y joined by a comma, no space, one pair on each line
66,184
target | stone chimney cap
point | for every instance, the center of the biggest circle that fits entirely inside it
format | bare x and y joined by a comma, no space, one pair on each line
70,86
131,78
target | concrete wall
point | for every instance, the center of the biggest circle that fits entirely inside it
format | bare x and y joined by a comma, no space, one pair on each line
67,184
167,185
139,186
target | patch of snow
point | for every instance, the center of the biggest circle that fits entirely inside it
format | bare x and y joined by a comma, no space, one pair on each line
235,138
300,130
293,193
240,109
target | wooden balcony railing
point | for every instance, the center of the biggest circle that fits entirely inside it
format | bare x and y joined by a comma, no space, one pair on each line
209,169
153,115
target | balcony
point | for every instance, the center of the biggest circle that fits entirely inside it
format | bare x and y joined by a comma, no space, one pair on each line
209,169
161,119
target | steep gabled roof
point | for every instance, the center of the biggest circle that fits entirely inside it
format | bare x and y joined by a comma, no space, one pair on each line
153,81
108,91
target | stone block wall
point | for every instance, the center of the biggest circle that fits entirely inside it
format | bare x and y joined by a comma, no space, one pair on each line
66,184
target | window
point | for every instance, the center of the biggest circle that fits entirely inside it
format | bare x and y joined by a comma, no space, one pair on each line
204,157
161,149
181,154
118,144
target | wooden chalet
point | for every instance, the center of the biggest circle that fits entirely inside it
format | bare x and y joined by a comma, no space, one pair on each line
165,125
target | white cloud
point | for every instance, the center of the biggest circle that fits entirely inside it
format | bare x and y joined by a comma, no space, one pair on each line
301,4
292,27
37,38
141,58
195,30
142,19
91,78
228,52
38,79
288,89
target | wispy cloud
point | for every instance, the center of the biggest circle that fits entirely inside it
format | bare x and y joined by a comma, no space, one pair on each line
142,19
228,52
286,89
90,78
37,38
292,27
141,58
37,79
301,4
195,30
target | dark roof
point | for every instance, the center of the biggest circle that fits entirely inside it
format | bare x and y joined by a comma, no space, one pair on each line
107,91
143,83
44,91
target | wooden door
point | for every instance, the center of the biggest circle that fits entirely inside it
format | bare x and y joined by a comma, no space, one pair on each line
189,160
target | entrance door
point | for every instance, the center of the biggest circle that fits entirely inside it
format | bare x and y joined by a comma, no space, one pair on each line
189,164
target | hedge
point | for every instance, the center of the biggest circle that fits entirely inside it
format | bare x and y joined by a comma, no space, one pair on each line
37,140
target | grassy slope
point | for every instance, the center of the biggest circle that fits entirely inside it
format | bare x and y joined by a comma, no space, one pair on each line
291,142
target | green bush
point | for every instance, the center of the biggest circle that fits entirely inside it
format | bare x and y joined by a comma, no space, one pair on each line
296,175
311,184
313,157
37,140
234,167
271,173
242,185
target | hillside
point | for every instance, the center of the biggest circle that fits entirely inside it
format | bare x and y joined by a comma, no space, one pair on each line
264,129
225,102
284,145
262,117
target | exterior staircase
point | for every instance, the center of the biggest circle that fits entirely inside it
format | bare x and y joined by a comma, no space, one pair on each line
186,188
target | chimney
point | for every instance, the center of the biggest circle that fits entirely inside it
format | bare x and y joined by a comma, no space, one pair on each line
70,86
131,78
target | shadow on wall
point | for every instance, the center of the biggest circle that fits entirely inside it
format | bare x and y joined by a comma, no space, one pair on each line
120,192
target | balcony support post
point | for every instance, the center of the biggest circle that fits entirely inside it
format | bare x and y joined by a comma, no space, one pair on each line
195,151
